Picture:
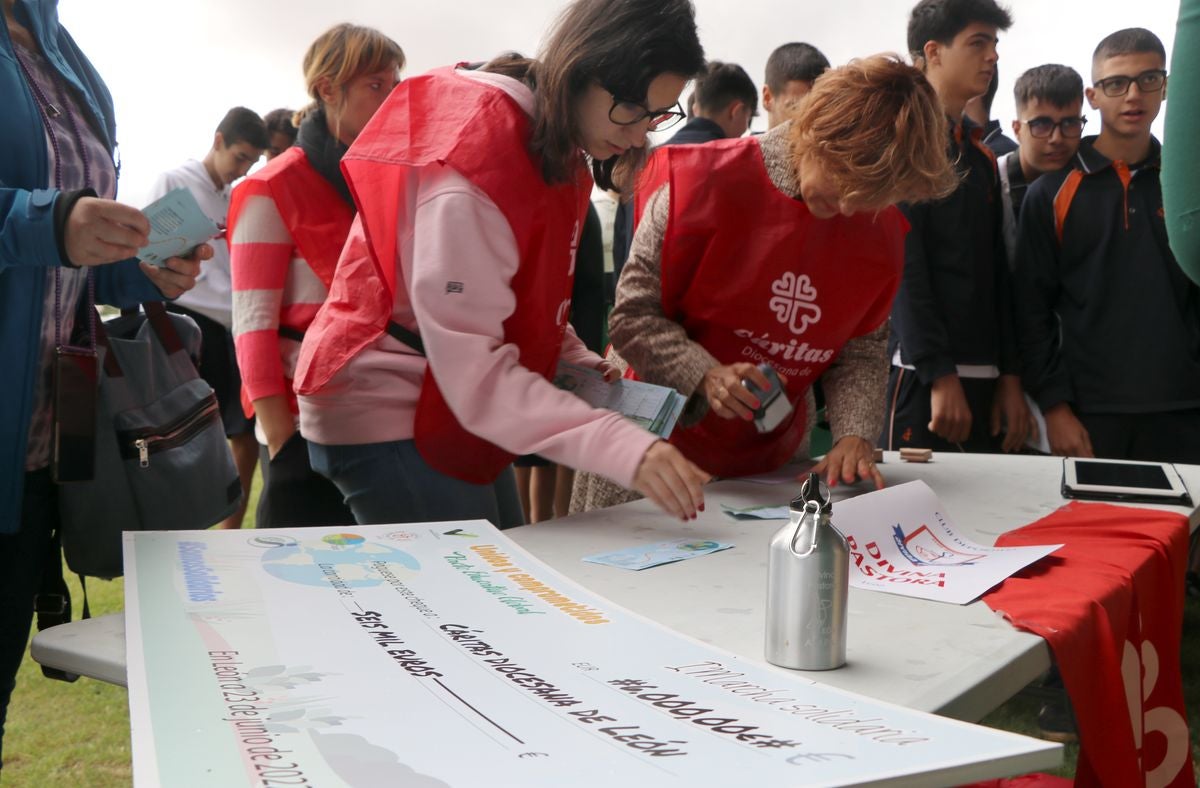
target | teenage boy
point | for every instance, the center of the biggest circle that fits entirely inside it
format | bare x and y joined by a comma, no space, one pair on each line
1049,123
791,70
238,143
954,383
979,110
1109,324
723,103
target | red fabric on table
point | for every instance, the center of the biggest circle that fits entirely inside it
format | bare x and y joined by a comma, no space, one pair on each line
1035,780
1110,605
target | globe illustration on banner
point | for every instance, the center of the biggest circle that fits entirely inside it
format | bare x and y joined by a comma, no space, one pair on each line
344,558
342,540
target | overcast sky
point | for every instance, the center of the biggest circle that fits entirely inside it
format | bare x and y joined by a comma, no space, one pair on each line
175,67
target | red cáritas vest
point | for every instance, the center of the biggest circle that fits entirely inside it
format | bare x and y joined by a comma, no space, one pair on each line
753,276
445,118
317,218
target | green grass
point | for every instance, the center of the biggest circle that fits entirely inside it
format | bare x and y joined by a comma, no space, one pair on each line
78,734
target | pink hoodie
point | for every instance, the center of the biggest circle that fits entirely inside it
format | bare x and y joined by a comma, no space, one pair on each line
449,231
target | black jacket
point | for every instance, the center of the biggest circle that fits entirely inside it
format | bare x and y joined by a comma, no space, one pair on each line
1107,320
954,305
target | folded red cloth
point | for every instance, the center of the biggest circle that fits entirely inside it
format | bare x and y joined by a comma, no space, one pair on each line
1034,780
1110,605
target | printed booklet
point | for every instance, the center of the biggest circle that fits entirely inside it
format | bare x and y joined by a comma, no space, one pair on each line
654,407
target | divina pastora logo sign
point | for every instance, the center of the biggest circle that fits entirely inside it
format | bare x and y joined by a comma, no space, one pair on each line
794,302
923,548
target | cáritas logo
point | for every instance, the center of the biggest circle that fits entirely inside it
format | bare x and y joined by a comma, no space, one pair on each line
794,302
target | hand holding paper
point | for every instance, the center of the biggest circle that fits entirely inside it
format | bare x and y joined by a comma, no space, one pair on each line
99,231
656,408
177,226
177,275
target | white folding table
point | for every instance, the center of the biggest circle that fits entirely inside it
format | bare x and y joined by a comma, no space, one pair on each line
957,660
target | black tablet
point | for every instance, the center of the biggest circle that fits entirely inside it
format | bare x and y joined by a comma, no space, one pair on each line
1123,480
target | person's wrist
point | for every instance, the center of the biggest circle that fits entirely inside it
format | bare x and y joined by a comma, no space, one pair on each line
945,382
1058,411
66,202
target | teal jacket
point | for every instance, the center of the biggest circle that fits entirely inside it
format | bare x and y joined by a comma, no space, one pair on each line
1181,189
27,240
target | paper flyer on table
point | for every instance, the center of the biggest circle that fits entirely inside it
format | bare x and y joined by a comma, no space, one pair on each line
442,654
902,541
758,512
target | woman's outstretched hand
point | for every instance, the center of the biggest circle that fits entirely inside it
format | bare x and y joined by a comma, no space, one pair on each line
671,481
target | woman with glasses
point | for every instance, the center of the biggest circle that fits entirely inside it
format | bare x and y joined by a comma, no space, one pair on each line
428,368
780,255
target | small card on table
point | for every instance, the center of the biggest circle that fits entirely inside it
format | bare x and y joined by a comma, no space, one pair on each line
648,555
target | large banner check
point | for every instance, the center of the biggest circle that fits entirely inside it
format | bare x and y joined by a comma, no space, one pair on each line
442,654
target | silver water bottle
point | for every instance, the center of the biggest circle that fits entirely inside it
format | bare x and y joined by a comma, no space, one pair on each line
808,581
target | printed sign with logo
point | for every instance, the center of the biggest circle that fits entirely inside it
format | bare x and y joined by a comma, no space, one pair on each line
902,541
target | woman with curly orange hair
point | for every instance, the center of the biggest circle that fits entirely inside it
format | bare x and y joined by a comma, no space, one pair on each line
780,250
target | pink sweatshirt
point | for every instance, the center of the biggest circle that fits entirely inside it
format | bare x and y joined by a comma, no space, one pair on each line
450,231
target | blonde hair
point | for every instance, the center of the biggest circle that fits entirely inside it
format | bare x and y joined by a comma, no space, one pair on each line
878,128
342,53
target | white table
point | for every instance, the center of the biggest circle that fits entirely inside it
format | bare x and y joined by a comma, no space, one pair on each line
959,661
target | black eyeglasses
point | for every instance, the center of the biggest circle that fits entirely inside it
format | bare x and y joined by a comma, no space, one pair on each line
1150,81
627,113
1044,127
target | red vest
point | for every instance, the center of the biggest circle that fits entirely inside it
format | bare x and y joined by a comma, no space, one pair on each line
448,119
318,219
753,276
315,216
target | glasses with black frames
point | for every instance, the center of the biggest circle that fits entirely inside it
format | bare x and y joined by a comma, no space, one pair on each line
1043,127
1150,81
626,113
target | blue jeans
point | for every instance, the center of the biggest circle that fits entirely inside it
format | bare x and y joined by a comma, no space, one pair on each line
22,562
390,483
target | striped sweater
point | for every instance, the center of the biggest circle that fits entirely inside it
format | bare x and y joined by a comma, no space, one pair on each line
274,287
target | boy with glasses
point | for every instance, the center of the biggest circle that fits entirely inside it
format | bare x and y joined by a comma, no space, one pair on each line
1109,325
1049,124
